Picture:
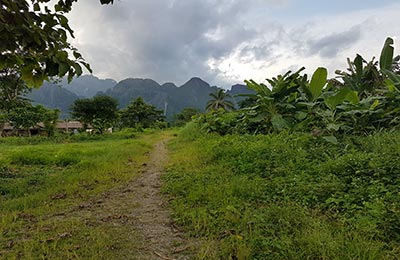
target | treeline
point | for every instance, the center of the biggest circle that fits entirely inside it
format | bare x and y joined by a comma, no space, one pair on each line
98,113
101,112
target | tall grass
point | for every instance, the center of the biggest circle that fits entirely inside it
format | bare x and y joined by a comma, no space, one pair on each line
287,196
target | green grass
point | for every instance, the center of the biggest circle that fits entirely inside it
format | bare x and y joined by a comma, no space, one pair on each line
43,182
287,196
280,196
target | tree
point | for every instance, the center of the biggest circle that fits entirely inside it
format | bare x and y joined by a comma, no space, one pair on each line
140,114
249,101
33,40
100,112
34,48
25,117
50,117
12,89
185,116
219,100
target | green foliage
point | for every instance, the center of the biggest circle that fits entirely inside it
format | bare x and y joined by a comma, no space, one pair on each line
139,114
50,118
219,100
318,82
221,122
99,111
28,116
287,196
364,99
186,115
16,109
249,101
33,40
386,59
332,101
366,80
12,89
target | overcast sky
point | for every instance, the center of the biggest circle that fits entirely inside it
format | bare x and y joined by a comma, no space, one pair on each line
227,41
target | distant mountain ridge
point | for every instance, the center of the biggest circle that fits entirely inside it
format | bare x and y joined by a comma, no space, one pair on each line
167,97
87,85
53,96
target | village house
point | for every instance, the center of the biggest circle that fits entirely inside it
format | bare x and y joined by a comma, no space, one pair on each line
62,126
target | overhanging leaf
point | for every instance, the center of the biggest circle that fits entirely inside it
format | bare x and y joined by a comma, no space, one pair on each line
78,69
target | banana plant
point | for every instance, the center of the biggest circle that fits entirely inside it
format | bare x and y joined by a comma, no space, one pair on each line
366,77
317,83
308,105
392,81
280,86
335,99
366,96
273,102
389,66
361,76
386,58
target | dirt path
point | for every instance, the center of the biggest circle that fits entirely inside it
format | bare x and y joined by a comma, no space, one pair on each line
161,239
137,216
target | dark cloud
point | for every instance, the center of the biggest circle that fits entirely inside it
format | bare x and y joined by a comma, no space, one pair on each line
173,40
329,46
165,40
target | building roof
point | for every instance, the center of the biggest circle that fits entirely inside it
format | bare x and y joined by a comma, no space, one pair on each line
60,125
69,125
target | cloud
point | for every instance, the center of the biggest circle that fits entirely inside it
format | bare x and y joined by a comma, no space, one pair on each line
329,46
223,41
165,40
325,41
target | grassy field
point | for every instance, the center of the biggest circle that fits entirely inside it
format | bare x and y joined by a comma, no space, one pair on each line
287,196
43,182
277,196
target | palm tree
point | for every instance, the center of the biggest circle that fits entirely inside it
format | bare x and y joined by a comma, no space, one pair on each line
219,101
